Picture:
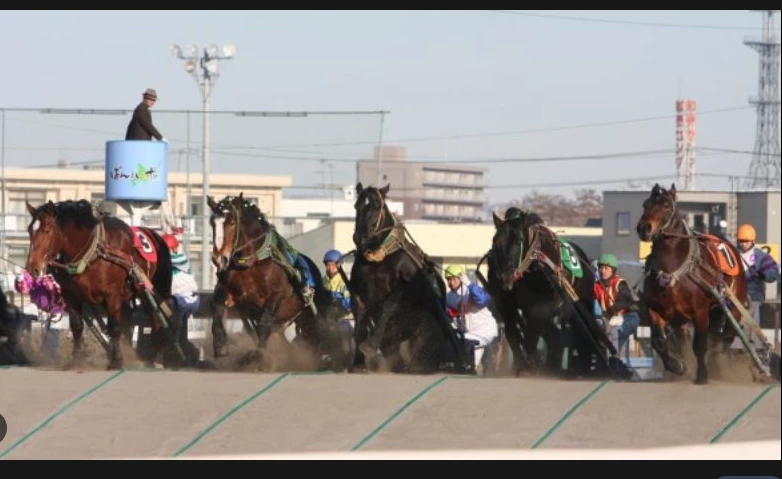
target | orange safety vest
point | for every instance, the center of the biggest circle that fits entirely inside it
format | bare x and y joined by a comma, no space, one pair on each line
607,296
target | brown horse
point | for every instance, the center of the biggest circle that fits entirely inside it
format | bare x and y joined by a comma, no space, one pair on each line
688,275
255,274
98,260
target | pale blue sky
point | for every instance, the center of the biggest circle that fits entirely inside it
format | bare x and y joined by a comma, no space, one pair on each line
441,74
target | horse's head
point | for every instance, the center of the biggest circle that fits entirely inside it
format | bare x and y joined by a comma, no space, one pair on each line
44,238
236,223
659,212
507,247
373,219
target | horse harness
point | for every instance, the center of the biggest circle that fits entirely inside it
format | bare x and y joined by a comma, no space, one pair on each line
271,248
535,253
96,248
691,265
396,239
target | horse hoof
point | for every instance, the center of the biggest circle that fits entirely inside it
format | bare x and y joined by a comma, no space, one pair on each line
700,381
221,352
676,367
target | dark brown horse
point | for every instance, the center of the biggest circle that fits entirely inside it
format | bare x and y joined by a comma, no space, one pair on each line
688,275
550,281
256,276
98,260
397,296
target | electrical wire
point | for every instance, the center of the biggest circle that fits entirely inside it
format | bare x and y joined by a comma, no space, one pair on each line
625,22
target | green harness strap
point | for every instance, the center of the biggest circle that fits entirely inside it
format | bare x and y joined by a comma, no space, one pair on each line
272,247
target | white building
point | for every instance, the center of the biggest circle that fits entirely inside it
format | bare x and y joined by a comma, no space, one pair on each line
301,215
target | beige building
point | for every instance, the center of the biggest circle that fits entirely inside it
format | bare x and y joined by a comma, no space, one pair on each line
38,185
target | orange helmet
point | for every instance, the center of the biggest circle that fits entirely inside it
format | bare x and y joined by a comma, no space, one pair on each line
171,241
746,233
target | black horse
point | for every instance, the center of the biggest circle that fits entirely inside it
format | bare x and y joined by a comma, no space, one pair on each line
550,281
397,297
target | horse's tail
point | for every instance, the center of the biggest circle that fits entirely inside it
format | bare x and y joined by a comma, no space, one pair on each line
161,280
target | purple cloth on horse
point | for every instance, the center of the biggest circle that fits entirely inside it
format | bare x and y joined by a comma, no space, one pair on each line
44,292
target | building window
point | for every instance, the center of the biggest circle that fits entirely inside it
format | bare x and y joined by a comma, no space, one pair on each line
623,224
17,206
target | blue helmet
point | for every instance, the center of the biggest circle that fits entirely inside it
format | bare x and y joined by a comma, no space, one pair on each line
332,255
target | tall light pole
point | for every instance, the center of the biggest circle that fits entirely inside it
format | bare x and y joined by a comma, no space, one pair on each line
204,69
2,167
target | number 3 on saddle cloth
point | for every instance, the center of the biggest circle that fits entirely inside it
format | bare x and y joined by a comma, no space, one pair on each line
144,244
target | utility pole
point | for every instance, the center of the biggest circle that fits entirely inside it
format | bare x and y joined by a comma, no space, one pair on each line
208,63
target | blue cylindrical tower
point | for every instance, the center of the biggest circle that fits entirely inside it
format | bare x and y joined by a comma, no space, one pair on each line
136,170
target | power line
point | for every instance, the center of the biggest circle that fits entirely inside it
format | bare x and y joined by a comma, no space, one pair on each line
522,185
518,132
623,22
412,139
643,154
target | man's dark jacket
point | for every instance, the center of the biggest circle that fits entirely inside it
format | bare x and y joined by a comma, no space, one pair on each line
140,126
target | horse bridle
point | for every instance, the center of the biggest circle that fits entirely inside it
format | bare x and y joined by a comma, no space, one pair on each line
668,222
382,216
243,261
88,253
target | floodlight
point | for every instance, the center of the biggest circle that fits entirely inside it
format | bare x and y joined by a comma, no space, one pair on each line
229,50
211,66
176,51
190,66
191,51
212,50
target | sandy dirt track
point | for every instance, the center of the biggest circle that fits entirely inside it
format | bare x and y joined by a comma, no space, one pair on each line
54,414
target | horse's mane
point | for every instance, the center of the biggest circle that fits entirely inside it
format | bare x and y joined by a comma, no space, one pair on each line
79,213
525,217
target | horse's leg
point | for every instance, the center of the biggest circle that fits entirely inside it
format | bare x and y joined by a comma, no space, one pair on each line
700,345
219,311
659,341
360,331
76,321
511,320
114,313
371,347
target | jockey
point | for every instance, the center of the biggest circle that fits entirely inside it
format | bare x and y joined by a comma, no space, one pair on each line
334,283
616,301
184,290
467,306
759,267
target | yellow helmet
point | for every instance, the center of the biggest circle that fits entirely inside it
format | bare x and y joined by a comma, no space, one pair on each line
746,233
453,270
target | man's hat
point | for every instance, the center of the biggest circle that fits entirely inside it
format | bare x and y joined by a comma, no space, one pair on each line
150,93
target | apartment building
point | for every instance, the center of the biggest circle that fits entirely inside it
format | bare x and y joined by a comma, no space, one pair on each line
436,191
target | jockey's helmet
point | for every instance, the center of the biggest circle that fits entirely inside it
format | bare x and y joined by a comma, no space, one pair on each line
171,241
609,260
332,255
454,270
746,233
